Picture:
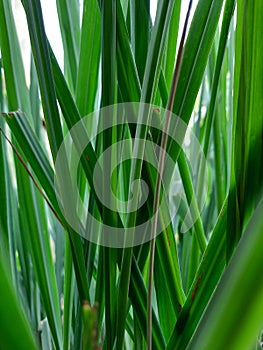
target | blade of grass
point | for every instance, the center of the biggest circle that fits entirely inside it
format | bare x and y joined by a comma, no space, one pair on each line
8,248
89,58
43,66
230,304
138,296
11,57
3,205
233,218
140,32
197,49
247,123
109,137
255,116
171,44
68,295
194,261
29,291
34,99
21,335
206,279
165,307
100,289
39,247
227,17
68,14
128,78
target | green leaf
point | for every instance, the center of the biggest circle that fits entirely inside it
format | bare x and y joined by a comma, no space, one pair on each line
68,14
39,247
18,336
12,60
196,52
238,297
44,71
140,32
89,58
206,279
247,153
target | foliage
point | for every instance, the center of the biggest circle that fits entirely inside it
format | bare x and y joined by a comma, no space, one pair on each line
62,291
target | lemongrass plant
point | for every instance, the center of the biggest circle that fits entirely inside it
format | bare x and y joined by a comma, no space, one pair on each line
162,247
